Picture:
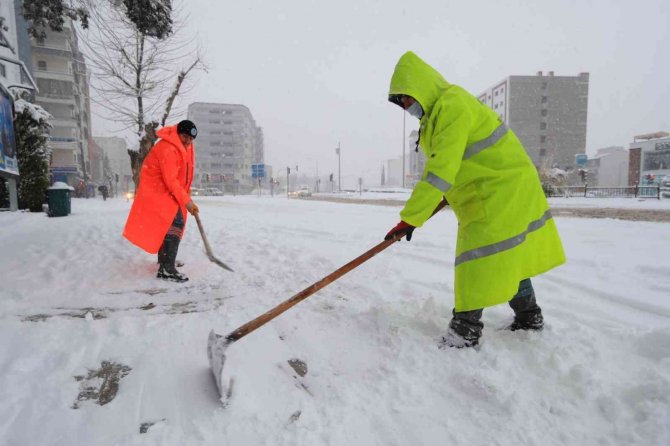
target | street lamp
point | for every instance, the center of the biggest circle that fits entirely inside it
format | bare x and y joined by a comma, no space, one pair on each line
339,177
403,147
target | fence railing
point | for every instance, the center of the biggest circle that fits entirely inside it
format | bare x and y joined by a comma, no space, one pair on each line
604,192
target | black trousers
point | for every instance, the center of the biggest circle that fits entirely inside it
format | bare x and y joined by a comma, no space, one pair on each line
168,251
468,323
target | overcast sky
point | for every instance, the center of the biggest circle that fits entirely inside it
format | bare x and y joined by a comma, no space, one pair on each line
315,73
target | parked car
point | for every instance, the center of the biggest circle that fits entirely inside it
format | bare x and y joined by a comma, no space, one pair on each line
195,191
665,187
301,192
304,191
213,191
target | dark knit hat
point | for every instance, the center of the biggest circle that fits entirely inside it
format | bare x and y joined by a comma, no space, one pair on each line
187,128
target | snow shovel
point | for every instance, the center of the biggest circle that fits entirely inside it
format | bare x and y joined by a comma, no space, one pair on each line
218,344
208,249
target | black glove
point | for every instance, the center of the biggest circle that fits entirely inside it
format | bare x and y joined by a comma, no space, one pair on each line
399,230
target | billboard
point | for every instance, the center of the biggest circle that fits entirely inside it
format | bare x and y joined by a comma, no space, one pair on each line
8,162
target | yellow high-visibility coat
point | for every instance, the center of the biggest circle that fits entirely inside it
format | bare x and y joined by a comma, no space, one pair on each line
505,229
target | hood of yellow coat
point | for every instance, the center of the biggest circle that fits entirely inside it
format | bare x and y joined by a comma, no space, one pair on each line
414,77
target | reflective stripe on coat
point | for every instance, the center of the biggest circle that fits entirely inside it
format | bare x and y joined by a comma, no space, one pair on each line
165,184
506,232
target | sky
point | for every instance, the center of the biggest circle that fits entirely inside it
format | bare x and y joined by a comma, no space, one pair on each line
598,374
316,74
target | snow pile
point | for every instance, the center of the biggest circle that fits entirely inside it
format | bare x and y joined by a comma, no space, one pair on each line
355,364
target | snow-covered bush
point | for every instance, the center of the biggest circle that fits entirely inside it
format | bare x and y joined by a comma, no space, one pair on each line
32,128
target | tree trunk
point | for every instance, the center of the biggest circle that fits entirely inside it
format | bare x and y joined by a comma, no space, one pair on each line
137,157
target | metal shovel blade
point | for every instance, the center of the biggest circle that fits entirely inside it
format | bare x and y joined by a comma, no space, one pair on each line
208,248
216,353
220,263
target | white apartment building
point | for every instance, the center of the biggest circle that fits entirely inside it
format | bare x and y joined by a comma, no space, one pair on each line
228,143
417,161
548,113
115,152
61,76
608,168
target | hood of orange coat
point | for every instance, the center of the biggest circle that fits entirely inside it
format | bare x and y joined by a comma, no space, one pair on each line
170,135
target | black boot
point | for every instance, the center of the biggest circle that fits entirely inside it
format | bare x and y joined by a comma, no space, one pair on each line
527,314
166,257
177,263
465,329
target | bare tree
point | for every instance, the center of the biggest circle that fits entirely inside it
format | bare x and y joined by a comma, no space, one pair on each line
137,76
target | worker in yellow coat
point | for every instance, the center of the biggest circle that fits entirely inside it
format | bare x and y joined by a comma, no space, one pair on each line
506,233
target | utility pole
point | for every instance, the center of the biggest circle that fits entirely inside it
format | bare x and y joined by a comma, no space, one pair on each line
403,147
288,171
339,175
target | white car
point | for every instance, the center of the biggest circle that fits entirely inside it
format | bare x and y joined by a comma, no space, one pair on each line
665,187
213,191
301,192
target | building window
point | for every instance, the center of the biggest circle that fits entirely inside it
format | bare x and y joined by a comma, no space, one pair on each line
544,85
543,112
42,65
543,139
544,99
3,70
543,152
543,126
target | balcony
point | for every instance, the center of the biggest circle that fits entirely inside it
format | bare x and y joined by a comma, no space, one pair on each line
63,145
55,98
66,122
55,75
65,51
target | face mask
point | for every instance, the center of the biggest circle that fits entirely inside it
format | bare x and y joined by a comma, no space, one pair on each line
415,110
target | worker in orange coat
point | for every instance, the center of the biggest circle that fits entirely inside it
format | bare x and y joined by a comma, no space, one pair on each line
158,215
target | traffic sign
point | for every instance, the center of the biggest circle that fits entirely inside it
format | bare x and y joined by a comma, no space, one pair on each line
258,171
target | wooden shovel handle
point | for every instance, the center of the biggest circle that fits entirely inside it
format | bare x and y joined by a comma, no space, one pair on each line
304,294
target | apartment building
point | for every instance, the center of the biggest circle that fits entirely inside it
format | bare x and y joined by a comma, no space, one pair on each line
417,161
547,112
114,160
228,143
62,78
608,167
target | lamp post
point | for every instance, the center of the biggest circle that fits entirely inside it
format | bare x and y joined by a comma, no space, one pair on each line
403,148
288,172
339,176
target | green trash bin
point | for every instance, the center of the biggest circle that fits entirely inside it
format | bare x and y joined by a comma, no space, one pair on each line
59,198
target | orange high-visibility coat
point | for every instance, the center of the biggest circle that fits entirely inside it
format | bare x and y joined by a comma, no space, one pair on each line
165,186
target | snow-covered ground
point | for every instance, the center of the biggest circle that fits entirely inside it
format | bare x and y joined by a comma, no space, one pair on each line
75,293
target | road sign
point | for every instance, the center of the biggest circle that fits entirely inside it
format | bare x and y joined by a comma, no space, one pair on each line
581,159
258,171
